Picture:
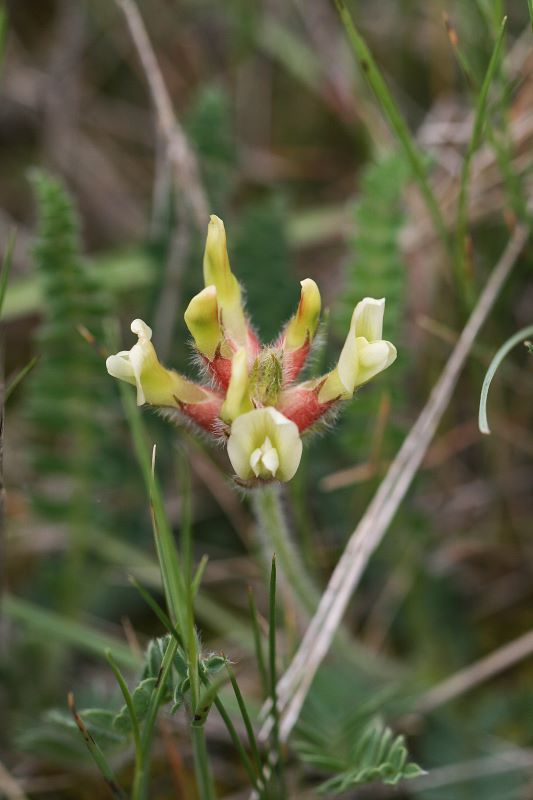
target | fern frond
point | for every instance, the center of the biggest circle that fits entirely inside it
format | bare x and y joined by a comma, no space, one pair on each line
68,391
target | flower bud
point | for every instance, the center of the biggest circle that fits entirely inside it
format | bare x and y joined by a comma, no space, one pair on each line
201,318
237,400
217,272
264,444
302,327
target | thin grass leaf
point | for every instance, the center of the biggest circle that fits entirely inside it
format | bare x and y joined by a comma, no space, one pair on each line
518,337
259,651
164,540
394,117
475,140
19,377
95,751
245,717
129,705
198,575
243,755
7,260
530,7
49,626
163,618
157,696
3,34
503,150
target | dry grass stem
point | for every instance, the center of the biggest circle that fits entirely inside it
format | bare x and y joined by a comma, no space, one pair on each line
482,670
9,787
180,154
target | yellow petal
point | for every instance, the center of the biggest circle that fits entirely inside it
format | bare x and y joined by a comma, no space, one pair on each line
363,355
201,318
264,444
302,327
369,318
238,393
217,272
155,384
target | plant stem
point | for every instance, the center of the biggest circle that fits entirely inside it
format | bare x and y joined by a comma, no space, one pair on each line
141,779
276,537
273,678
201,764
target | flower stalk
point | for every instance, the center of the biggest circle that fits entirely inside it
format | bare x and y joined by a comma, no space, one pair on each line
275,535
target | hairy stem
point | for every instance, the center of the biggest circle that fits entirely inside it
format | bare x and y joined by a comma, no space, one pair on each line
276,538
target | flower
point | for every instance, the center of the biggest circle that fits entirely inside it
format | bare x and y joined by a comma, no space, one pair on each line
264,444
253,402
364,353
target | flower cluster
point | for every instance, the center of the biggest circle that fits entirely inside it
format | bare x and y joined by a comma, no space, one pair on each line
252,399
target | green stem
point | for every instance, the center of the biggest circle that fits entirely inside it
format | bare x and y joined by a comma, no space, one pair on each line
201,764
235,738
164,540
276,537
142,778
276,742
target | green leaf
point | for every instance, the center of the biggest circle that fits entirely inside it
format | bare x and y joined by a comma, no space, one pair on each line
100,723
214,663
141,701
376,755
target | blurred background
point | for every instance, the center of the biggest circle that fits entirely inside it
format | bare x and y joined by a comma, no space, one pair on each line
296,158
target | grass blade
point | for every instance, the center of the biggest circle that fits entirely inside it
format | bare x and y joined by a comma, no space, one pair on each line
394,117
19,377
8,255
518,337
243,755
131,711
163,618
164,540
259,652
93,748
198,575
49,625
475,140
245,717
